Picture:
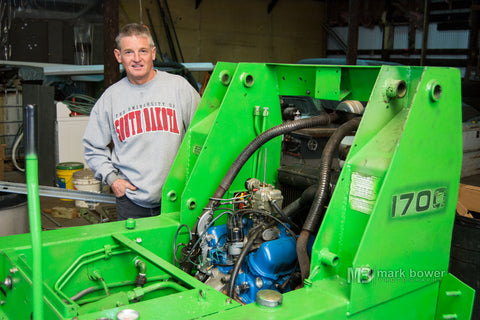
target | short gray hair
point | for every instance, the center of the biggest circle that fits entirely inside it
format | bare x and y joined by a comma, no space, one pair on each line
134,29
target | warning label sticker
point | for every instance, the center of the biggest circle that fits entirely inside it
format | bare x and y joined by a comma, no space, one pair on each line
363,192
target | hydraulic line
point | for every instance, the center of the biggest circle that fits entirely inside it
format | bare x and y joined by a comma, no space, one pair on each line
138,293
96,276
142,271
31,167
83,260
88,290
306,198
240,259
323,119
320,200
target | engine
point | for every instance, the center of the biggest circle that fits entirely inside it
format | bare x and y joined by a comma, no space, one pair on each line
254,250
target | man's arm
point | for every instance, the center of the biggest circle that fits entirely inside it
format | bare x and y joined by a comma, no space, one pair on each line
96,140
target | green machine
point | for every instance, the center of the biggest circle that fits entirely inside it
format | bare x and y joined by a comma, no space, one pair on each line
370,242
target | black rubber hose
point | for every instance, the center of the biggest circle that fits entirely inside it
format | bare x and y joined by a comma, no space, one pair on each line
285,218
302,255
306,198
331,147
320,199
240,259
263,138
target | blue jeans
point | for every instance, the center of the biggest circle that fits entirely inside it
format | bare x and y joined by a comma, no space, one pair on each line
127,209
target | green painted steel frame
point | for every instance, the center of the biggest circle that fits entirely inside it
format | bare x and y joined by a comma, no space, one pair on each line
389,221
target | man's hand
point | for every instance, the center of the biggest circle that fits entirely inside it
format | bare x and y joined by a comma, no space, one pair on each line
120,185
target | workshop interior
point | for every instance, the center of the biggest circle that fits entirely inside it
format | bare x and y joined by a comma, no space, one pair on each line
330,171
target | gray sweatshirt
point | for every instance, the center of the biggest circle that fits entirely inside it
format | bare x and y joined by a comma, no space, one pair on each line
146,124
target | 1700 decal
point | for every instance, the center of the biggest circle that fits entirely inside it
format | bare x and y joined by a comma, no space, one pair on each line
418,202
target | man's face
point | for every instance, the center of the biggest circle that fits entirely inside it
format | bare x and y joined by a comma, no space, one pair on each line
137,57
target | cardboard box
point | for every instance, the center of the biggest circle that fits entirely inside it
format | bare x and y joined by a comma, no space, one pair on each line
471,150
468,200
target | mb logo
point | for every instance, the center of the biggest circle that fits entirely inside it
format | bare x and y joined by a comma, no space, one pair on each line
360,275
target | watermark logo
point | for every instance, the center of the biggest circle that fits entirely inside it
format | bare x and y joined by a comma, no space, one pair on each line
368,275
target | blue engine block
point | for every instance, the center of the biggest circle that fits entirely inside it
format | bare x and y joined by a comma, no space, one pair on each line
268,267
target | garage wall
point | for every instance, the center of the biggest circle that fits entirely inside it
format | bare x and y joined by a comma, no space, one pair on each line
237,31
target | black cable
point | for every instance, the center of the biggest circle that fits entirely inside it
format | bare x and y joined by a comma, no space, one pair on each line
175,247
284,284
202,235
241,258
284,216
268,215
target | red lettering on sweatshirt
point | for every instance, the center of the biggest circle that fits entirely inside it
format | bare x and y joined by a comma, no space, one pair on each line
147,120
125,126
152,119
122,130
117,128
157,117
174,122
164,119
139,121
131,117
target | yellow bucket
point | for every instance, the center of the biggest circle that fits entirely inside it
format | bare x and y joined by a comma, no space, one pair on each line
65,172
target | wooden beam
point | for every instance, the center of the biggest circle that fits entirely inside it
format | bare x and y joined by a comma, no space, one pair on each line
426,22
110,30
473,38
352,42
412,28
388,32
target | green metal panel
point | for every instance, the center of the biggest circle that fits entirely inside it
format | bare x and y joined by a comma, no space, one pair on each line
419,304
195,137
389,220
455,299
393,196
323,300
329,87
326,82
213,142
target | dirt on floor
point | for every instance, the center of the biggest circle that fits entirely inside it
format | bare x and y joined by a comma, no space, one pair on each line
64,213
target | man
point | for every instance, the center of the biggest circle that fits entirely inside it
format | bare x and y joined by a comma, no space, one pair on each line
145,115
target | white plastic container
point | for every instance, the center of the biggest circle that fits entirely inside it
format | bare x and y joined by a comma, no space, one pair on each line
13,214
84,180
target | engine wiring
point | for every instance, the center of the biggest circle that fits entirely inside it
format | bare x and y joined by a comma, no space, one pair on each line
200,238
175,246
241,213
234,200
268,215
